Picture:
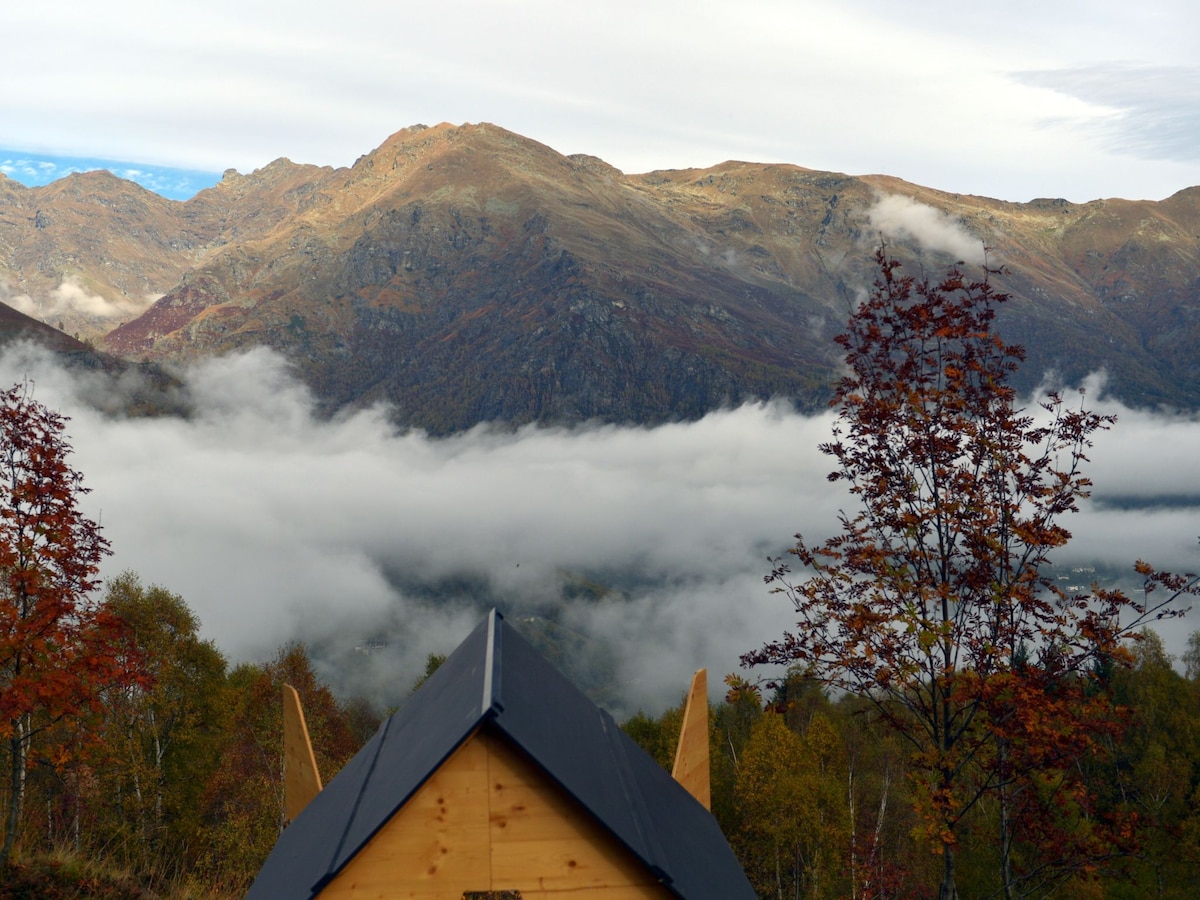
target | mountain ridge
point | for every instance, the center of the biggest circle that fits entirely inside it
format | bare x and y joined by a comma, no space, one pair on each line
466,274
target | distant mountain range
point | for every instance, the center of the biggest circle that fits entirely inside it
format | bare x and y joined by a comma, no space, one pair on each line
466,274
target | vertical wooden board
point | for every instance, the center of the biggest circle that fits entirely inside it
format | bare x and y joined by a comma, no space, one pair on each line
691,767
301,780
435,847
544,842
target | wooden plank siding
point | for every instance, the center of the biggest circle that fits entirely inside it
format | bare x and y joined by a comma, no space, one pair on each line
490,820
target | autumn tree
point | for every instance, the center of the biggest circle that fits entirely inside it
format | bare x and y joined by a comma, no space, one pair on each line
791,793
1156,770
57,647
161,737
882,823
933,602
244,798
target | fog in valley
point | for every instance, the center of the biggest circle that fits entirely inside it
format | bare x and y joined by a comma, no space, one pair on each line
377,548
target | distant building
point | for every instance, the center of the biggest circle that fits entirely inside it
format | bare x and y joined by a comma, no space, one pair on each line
366,648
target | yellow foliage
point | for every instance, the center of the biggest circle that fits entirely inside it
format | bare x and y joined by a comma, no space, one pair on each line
791,798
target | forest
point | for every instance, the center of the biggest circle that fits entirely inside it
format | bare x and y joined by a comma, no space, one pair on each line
178,783
945,720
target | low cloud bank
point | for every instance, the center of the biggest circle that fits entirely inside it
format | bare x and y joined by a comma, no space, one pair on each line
277,525
71,299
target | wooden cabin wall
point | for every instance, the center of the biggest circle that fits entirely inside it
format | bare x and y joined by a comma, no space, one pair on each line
490,820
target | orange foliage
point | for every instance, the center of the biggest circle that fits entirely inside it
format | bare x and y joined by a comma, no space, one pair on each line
58,648
932,602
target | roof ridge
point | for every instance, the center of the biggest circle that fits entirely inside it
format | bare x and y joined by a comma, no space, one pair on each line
493,703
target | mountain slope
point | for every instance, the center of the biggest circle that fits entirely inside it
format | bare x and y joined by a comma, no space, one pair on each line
466,274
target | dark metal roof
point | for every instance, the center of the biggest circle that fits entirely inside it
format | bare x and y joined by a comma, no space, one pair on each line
497,679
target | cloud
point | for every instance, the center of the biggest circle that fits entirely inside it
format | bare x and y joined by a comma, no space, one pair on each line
1153,110
72,298
934,230
33,171
29,171
275,524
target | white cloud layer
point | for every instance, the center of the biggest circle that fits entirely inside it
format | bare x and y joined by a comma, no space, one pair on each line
276,525
71,299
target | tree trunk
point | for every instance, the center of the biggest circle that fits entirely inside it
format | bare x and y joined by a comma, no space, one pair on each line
159,780
948,890
135,768
18,746
1005,840
853,832
877,837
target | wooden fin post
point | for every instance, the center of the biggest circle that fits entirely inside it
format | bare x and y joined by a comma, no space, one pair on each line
691,756
301,780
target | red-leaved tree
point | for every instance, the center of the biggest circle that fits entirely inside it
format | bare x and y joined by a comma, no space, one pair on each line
934,601
57,647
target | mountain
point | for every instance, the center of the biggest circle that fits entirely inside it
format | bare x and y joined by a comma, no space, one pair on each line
466,274
92,250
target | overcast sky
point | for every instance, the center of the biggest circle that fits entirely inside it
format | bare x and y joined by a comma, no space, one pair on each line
1014,99
275,525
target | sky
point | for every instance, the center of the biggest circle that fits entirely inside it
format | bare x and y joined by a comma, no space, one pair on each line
38,169
275,524
1015,99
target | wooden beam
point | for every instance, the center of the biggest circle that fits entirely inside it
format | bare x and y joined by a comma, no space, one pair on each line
301,780
691,756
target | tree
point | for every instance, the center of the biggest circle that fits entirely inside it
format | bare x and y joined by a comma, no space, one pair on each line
1191,657
883,825
162,738
934,602
57,647
791,794
244,799
1157,769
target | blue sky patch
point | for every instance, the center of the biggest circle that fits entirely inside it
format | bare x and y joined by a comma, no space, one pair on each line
37,169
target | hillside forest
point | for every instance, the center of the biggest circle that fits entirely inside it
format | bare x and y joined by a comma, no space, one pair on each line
179,784
945,721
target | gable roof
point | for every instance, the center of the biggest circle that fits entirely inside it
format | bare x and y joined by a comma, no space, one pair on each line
496,678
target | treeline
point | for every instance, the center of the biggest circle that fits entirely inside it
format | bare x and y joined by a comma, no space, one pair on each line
816,796
176,777
175,774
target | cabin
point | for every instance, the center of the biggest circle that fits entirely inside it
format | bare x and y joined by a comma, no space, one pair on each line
499,778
